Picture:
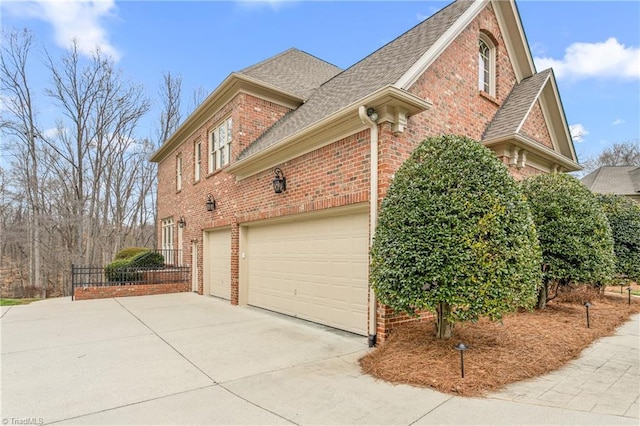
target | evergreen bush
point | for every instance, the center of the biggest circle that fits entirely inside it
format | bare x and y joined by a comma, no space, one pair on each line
455,236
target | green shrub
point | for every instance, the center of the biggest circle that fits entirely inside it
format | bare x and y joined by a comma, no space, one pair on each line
120,271
573,230
149,259
455,236
129,252
624,219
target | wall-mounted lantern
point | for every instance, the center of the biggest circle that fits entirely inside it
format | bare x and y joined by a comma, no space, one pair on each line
211,203
181,222
279,181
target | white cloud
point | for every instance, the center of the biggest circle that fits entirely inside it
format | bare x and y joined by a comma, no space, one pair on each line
617,121
609,59
73,19
578,132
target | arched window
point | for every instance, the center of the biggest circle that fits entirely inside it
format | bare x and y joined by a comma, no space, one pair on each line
486,66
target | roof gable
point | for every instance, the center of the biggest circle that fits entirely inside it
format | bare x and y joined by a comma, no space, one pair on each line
292,71
380,69
513,113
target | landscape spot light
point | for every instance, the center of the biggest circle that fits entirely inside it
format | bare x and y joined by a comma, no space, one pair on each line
586,305
461,347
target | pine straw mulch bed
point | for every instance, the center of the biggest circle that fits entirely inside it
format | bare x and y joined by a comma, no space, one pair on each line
523,346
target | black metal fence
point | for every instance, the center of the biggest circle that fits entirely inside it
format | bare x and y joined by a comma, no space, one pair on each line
172,257
98,276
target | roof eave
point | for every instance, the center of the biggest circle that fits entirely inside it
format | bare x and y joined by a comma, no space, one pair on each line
534,149
229,88
329,129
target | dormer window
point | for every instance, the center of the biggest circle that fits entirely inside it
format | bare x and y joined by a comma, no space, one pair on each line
486,66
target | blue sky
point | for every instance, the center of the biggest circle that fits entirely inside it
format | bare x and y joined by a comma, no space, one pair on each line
594,46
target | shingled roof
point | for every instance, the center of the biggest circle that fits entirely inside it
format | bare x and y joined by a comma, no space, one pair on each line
515,109
382,68
293,71
621,180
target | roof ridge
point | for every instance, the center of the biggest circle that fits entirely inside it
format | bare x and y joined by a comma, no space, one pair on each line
383,67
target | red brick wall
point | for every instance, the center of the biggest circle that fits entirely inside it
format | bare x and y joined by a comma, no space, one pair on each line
536,128
106,292
337,174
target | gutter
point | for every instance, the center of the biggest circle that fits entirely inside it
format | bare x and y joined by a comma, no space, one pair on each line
373,219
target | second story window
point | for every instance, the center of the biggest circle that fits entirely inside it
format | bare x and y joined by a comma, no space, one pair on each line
486,66
220,145
197,160
179,172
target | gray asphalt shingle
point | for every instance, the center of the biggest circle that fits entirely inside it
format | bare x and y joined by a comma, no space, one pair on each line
382,68
513,112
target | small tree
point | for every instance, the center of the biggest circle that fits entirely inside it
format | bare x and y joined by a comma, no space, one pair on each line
455,236
573,230
624,219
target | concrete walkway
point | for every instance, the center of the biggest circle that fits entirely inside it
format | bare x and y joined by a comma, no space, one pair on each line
188,359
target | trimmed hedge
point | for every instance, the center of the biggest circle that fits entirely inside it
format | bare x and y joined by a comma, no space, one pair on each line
149,259
573,230
624,219
455,235
123,269
120,271
129,252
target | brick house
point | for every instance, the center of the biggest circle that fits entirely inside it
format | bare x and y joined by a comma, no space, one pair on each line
337,137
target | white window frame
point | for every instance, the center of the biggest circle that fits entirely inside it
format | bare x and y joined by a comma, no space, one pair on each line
220,139
167,240
179,172
486,66
197,160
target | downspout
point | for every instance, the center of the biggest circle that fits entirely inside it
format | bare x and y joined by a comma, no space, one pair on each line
373,209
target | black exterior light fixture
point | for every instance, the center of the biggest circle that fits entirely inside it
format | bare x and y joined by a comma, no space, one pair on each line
461,347
629,291
372,114
586,305
279,181
181,222
211,203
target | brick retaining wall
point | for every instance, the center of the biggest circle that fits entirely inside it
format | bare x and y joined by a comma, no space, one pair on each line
106,292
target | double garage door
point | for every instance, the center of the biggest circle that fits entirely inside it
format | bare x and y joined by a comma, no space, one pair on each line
315,268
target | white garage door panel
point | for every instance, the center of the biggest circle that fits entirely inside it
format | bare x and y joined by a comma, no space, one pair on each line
218,256
313,269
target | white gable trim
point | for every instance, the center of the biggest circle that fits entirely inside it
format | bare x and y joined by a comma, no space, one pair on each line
524,119
514,38
419,67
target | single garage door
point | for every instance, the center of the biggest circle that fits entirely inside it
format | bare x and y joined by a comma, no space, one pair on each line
217,267
316,269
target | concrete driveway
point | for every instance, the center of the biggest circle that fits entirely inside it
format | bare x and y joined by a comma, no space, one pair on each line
188,359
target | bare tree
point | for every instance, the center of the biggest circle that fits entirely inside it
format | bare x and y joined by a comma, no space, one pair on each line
85,189
170,115
618,154
19,124
95,140
199,94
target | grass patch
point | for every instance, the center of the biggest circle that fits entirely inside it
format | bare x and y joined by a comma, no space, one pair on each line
14,302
